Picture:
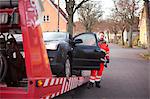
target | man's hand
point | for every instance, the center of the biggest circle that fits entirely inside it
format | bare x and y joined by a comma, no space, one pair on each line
107,61
105,64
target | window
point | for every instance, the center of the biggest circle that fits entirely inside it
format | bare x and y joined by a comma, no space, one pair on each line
46,18
88,39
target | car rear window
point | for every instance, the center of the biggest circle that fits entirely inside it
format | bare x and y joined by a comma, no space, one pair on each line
54,36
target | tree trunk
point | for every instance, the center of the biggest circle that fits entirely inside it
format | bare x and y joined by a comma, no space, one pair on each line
108,36
89,30
122,37
70,24
115,38
130,37
86,29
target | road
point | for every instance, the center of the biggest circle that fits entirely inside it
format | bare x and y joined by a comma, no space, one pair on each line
125,78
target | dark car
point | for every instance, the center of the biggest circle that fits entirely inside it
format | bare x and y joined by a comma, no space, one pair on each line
67,54
59,50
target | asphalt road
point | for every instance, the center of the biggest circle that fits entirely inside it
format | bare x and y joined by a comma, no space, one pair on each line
127,77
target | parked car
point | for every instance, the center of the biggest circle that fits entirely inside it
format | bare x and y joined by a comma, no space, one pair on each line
67,54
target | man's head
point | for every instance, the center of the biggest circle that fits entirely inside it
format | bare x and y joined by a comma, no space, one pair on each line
101,36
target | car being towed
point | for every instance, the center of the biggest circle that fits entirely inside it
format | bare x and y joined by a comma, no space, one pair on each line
67,54
59,50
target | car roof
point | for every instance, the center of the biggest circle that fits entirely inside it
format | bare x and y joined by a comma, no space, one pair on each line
85,33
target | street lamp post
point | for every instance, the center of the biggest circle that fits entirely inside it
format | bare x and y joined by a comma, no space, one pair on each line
58,15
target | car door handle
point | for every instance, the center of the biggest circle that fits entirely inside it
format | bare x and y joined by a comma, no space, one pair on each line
97,50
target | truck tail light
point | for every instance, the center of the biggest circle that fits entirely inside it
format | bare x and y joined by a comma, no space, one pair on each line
39,83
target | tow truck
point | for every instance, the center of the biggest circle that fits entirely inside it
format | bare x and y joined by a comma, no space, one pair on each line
25,70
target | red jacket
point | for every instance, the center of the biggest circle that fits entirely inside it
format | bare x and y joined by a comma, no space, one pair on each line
104,47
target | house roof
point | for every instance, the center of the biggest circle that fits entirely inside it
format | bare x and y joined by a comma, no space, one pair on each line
60,10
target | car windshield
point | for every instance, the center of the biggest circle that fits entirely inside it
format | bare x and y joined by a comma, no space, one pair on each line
48,36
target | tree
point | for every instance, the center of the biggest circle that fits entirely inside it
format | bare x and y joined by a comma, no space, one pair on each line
71,8
113,26
117,25
126,11
89,14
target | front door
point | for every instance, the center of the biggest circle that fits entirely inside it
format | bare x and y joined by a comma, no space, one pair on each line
86,54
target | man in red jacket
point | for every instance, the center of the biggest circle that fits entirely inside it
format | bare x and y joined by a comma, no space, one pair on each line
96,75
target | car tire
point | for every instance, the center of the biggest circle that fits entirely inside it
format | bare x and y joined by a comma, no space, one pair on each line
67,67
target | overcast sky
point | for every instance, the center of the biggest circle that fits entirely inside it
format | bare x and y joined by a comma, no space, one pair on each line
107,5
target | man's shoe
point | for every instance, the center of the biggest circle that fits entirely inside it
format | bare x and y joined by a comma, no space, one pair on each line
98,84
90,85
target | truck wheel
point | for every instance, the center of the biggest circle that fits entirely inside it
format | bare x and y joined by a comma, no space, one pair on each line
3,68
67,67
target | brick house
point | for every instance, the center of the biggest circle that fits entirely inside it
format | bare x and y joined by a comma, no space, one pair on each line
50,17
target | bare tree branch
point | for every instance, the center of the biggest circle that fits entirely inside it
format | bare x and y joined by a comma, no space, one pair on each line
89,14
79,5
71,9
126,11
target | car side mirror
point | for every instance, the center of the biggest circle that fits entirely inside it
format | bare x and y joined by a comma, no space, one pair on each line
78,41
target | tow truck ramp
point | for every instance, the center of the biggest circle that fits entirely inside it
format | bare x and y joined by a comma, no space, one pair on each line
65,85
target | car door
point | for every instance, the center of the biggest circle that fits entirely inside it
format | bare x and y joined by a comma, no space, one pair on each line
86,53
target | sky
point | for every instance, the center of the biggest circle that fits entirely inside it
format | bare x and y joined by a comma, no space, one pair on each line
106,7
